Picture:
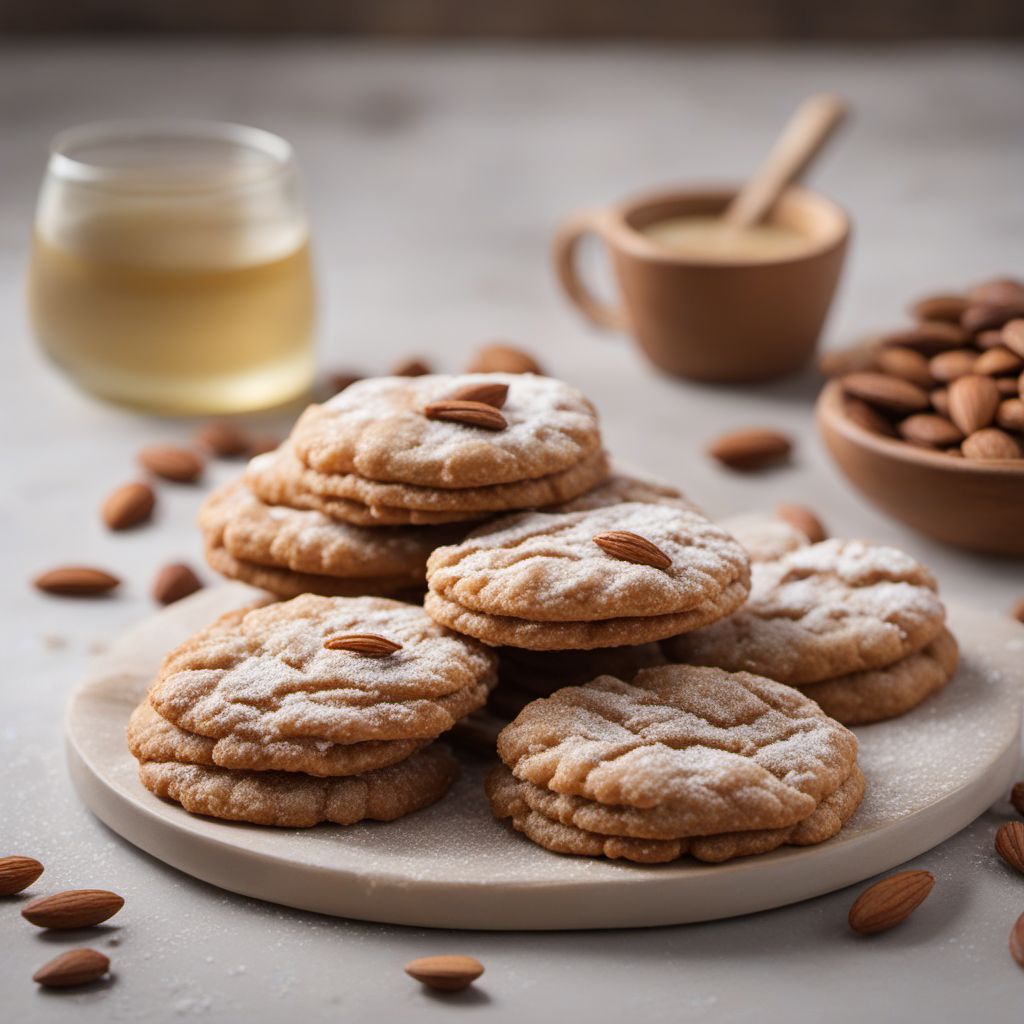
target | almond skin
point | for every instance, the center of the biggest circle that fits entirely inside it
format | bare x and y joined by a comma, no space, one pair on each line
173,582
991,443
889,393
128,505
985,340
804,520
1010,414
1013,336
171,462
75,967
1017,941
76,908
929,337
76,581
370,645
990,316
906,363
867,417
925,428
939,307
18,873
1010,844
469,414
973,401
500,357
998,362
949,366
223,439
493,394
445,973
631,547
755,447
889,902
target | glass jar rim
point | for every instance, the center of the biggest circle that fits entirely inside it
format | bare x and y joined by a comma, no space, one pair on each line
65,165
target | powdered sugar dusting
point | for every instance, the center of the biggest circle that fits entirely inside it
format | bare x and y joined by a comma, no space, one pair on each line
764,537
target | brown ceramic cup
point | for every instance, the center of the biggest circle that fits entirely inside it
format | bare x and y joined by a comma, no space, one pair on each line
710,320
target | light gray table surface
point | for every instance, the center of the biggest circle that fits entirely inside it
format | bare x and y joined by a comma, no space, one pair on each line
435,178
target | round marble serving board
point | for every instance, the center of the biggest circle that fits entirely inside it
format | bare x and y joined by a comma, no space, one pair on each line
930,773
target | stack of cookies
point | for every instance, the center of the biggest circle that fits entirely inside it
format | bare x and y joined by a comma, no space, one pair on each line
682,761
315,709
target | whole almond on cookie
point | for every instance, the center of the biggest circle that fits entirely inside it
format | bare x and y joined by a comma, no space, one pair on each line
752,448
1010,844
18,873
76,908
939,307
73,968
499,357
991,443
445,973
470,414
76,581
973,401
889,393
804,520
173,582
489,393
925,428
223,439
631,547
889,902
370,645
128,505
171,462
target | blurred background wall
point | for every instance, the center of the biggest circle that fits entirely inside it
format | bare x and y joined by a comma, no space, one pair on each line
534,19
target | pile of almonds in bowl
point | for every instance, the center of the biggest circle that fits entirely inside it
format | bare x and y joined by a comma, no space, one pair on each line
953,382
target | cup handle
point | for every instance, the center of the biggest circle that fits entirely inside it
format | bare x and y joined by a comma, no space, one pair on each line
566,246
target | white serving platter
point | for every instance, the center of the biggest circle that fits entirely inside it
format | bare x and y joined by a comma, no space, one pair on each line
930,773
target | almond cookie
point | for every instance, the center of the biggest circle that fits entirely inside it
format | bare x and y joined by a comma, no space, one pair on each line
266,674
620,487
381,429
545,582
765,538
881,693
152,738
301,801
823,611
695,751
279,478
538,814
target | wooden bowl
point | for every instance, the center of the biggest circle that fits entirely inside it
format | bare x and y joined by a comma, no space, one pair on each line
968,503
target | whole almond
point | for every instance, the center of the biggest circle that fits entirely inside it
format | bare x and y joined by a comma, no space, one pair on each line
889,902
1013,336
990,316
173,582
500,357
223,439
1010,414
1010,844
17,873
470,414
925,428
998,362
755,447
76,581
997,289
988,339
889,393
128,505
929,337
490,393
948,366
411,366
990,443
75,967
1017,941
631,547
171,462
939,398
1008,386
906,363
867,417
973,401
1017,793
445,973
76,908
853,359
804,520
939,307
370,645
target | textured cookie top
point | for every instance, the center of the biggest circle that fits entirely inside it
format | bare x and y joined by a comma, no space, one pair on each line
764,537
232,517
266,674
719,751
377,428
549,568
821,611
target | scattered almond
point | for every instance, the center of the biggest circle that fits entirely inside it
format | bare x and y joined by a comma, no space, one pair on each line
1017,941
925,428
991,443
173,582
890,393
171,462
889,902
1017,793
867,417
410,367
500,357
75,967
128,505
1010,844
445,973
470,414
370,645
973,401
753,448
492,394
804,520
76,581
948,366
906,363
17,873
223,439
631,547
1010,414
1012,336
76,908
939,307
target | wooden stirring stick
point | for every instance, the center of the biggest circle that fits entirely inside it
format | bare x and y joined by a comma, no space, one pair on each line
810,127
